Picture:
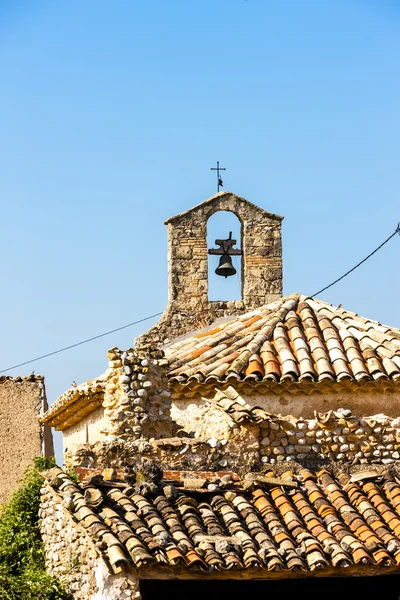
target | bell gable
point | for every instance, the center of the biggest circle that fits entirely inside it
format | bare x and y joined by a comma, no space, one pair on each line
189,307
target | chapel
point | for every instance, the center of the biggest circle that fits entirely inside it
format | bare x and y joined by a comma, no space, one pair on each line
248,446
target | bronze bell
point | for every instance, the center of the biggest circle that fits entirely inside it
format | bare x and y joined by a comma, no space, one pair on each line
225,267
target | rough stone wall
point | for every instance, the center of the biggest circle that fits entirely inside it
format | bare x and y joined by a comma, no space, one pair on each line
188,306
137,400
335,436
200,419
240,453
140,420
198,433
338,435
22,437
207,438
72,557
136,403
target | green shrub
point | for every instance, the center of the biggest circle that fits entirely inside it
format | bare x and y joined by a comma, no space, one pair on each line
22,566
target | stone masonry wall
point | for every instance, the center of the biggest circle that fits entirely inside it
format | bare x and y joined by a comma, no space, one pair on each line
176,453
22,400
337,436
73,558
188,306
208,438
340,437
137,400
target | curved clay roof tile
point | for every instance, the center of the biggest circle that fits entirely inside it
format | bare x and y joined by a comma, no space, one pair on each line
296,338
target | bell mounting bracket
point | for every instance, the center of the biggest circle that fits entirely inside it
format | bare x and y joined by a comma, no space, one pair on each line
226,247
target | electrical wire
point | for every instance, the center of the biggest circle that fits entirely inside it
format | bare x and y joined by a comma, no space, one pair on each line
397,230
96,337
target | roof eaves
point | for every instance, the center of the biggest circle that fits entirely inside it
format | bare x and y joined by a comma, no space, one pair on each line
72,396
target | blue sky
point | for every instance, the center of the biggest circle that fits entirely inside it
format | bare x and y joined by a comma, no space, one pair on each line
111,115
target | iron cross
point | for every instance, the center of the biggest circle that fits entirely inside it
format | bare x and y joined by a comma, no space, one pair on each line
219,179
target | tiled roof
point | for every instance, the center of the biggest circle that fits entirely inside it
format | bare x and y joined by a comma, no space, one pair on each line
231,403
32,378
303,521
77,402
294,339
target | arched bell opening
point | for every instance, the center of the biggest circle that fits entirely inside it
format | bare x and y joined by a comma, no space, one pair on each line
227,283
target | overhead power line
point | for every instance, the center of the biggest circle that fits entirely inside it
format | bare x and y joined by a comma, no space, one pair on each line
397,230
96,337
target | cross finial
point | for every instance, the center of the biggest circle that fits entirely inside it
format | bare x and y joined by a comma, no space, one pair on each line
220,183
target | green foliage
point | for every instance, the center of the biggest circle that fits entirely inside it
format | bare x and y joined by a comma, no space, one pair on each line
72,474
22,567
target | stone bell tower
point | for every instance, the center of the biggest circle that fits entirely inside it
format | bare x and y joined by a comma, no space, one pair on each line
188,306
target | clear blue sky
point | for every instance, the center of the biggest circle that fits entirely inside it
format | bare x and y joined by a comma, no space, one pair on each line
112,113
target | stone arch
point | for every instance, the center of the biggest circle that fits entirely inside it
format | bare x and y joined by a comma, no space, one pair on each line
188,305
218,226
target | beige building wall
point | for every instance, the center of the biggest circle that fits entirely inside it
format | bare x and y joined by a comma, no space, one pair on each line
89,430
362,403
203,420
22,437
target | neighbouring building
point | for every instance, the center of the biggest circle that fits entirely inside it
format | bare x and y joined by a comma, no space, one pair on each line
22,401
250,446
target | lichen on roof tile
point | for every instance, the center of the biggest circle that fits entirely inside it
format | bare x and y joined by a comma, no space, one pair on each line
296,521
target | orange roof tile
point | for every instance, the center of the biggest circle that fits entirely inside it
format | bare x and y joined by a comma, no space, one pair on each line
294,338
325,521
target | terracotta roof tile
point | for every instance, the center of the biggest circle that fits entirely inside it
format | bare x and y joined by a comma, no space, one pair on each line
82,399
322,522
294,338
22,379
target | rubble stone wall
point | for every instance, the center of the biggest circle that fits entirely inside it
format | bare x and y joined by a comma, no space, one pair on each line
201,419
137,400
188,305
336,436
176,453
22,400
199,433
333,435
136,403
229,430
72,557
